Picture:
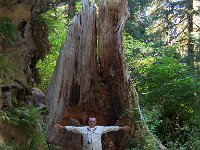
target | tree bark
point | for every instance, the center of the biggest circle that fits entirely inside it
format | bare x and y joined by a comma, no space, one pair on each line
74,75
83,86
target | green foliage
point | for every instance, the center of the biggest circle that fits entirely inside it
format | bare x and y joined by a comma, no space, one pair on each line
142,138
21,116
28,121
138,21
169,93
134,49
57,22
78,6
171,90
6,69
5,147
165,23
7,32
7,36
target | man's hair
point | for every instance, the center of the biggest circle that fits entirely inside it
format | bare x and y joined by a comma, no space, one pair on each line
92,118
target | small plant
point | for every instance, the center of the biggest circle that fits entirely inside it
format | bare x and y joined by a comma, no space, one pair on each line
7,33
27,121
6,69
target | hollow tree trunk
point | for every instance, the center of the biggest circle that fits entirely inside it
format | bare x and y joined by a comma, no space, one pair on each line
83,86
112,17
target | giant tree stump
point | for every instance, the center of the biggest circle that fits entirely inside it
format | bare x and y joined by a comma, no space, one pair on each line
91,80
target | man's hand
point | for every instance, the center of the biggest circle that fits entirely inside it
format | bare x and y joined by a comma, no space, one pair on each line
126,128
58,126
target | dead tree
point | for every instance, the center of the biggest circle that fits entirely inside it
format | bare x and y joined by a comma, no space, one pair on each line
91,80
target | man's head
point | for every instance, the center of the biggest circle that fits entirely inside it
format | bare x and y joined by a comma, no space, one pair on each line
92,122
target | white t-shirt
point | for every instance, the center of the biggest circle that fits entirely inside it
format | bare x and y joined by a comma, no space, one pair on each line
92,136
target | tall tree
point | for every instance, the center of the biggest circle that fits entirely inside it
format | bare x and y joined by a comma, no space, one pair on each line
190,43
181,25
138,21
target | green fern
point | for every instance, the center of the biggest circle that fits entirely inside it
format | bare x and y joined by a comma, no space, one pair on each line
6,69
28,120
8,31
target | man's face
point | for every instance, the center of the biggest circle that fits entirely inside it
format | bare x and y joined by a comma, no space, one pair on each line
92,122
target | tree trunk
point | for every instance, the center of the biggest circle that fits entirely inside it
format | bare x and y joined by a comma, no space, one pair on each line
190,43
83,86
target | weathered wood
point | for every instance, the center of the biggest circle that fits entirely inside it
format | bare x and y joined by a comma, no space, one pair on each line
83,87
112,17
76,70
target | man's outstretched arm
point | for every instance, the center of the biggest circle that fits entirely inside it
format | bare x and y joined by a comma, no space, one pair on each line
126,128
69,128
58,126
115,128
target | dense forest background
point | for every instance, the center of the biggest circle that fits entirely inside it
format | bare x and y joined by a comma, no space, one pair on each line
161,47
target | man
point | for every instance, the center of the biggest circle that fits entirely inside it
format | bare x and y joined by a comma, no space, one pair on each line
92,133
